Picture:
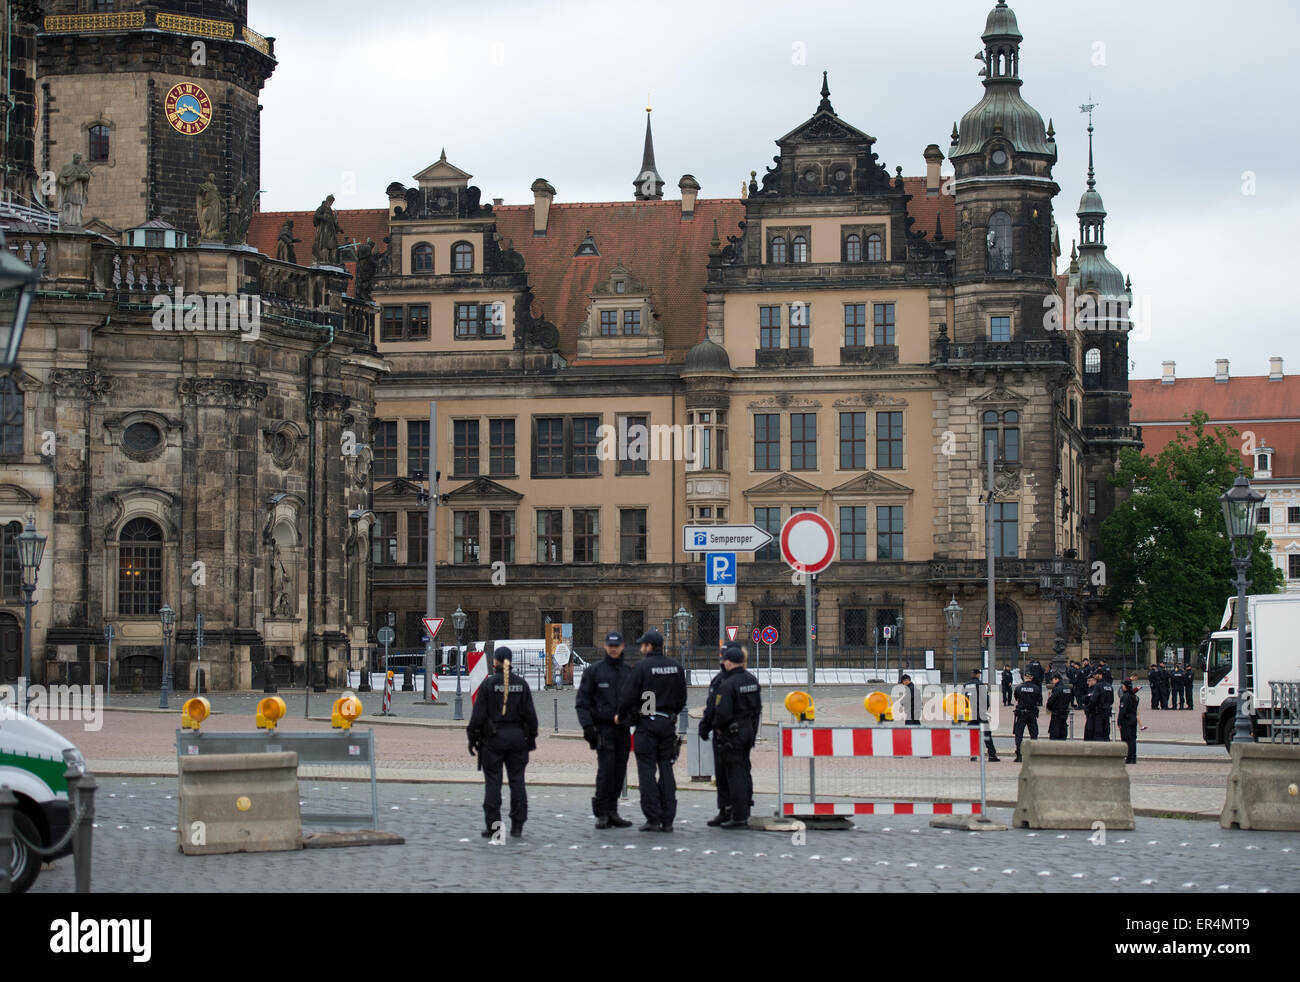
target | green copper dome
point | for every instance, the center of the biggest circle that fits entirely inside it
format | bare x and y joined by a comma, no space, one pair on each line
1001,23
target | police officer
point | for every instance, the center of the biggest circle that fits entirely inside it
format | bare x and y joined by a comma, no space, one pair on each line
909,701
1153,680
1028,698
1189,685
706,727
1128,720
1091,707
1106,675
597,705
738,706
654,694
1106,707
1036,673
1166,679
978,694
1058,704
1006,685
502,730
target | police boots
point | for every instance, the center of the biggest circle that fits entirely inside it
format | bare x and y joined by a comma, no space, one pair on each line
618,821
723,815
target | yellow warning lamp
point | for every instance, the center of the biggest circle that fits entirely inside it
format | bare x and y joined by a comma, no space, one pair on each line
878,705
269,712
800,705
194,712
957,706
346,709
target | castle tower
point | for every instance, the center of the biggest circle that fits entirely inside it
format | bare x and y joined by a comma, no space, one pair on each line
155,97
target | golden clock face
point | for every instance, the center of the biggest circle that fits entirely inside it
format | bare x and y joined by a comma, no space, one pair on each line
188,108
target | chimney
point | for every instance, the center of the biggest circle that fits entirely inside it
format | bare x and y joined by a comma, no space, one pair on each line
396,197
543,195
1275,369
1221,369
690,188
1168,377
933,158
498,202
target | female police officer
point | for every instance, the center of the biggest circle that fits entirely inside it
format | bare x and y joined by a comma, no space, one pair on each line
502,729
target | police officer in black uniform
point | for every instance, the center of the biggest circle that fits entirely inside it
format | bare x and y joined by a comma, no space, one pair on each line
1028,698
909,701
1128,720
1106,675
502,730
1153,680
737,708
653,696
1036,673
597,705
1085,673
706,728
1058,704
978,694
1105,708
1166,679
1189,685
1006,685
1091,709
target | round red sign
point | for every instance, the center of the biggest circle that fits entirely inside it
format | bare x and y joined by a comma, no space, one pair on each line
807,542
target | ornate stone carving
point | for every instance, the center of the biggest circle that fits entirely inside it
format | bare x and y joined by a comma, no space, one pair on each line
235,393
784,400
870,400
78,383
328,405
281,442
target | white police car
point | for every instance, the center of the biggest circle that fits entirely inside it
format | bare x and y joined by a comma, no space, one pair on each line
33,761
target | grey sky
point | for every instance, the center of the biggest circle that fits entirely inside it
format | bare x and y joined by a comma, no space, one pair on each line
1191,95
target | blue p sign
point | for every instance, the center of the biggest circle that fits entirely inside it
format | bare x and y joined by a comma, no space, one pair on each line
720,569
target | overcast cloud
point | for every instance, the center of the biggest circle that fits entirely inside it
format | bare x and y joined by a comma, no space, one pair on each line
1191,95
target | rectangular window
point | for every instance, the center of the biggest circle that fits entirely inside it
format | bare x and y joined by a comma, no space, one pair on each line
417,537
631,535
706,627
767,442
853,532
1092,497
632,624
1006,529
853,441
999,328
889,532
417,322
586,443
464,545
769,327
803,441
498,625
550,536
11,570
888,617
797,620
392,324
1263,517
11,418
633,445
889,441
501,529
991,440
854,628
566,446
1293,516
501,447
417,446
855,325
586,535
385,449
769,520
769,617
883,322
1293,567
798,326
464,453
548,447
383,541
631,322
1011,440
608,323
584,628
480,320
551,617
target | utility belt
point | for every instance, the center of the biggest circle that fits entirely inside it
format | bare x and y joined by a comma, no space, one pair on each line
657,715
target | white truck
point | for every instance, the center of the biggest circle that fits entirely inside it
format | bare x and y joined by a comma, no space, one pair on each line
1273,641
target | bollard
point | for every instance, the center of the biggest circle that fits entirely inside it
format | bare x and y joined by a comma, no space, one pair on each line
137,680
1071,732
84,843
408,679
268,676
7,805
557,714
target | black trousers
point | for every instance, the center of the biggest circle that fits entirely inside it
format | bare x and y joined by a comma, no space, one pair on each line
736,765
1155,696
508,747
1128,732
1024,720
1056,729
1188,692
1006,694
1090,727
1178,695
1103,726
720,774
1164,696
611,767
656,740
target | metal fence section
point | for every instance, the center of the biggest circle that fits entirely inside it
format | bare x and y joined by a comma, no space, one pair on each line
880,770
1285,725
340,755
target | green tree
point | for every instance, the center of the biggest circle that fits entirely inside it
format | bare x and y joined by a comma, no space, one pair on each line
1167,554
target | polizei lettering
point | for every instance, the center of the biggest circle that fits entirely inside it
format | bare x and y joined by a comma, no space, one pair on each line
667,670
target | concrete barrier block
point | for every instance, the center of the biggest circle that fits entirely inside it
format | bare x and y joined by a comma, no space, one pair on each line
1069,785
238,803
1263,788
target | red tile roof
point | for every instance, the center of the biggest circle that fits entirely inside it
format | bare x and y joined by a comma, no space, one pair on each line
358,225
657,248
1269,410
926,209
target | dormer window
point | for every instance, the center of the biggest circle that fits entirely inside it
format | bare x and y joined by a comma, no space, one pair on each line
631,323
608,323
620,286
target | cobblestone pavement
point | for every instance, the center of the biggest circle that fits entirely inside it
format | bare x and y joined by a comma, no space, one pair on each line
135,851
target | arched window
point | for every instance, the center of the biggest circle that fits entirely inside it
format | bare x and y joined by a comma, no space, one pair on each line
776,251
99,144
11,570
139,576
875,248
11,418
998,241
462,258
798,249
853,249
1092,361
422,258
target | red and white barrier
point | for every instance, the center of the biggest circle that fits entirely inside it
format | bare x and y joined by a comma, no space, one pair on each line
433,687
388,695
908,742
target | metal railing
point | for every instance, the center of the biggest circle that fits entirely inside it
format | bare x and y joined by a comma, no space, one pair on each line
1285,725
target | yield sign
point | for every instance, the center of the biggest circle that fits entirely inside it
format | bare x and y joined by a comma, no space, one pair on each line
988,629
732,632
431,625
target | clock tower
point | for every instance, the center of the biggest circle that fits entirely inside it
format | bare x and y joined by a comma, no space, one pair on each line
155,97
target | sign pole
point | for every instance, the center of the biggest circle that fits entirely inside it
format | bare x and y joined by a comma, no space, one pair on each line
807,626
431,559
771,709
109,635
198,648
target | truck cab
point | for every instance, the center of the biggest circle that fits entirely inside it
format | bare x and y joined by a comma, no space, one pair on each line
1272,625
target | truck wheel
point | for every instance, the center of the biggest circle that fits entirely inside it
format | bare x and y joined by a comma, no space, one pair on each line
23,863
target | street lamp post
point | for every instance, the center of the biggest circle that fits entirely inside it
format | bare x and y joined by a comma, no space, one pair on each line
31,549
1055,580
1240,506
952,615
168,618
1137,639
458,621
683,621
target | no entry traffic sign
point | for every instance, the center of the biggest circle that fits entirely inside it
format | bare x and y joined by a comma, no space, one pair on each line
807,542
